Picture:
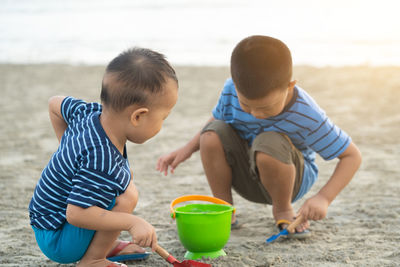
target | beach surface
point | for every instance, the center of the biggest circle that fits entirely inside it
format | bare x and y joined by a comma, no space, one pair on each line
362,224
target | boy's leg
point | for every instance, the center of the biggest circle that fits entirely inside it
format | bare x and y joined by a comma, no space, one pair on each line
216,168
225,158
223,154
278,179
231,167
104,241
228,162
279,166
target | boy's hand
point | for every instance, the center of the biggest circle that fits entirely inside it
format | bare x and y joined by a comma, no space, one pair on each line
315,208
143,234
173,159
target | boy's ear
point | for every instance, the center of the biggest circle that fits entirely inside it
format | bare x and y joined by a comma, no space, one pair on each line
137,115
292,84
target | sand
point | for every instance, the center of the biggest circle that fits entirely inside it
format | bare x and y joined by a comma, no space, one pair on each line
362,225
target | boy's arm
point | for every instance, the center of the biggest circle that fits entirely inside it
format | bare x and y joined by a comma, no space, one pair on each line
315,208
174,158
57,120
96,218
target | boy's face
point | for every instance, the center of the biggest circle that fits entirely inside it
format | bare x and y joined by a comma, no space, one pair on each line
159,109
269,105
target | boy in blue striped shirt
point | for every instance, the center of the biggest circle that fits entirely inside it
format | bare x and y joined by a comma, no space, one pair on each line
263,137
85,195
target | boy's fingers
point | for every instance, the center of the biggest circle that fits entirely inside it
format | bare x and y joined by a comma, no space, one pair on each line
148,241
175,163
306,216
143,242
163,165
154,242
303,214
158,165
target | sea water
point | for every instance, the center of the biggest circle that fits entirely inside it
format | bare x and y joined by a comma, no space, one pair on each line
198,32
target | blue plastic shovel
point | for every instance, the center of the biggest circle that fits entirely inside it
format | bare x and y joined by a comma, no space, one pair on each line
290,229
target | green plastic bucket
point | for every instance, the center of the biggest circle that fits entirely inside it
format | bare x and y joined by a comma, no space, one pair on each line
203,229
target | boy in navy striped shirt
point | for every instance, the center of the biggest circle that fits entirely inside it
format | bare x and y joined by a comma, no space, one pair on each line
85,195
263,137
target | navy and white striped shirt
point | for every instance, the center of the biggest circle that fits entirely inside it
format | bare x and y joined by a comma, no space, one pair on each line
303,121
86,170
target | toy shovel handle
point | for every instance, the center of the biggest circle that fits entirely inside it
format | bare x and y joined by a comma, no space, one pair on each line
196,197
165,254
294,224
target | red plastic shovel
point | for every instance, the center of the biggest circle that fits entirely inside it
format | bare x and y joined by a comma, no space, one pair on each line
186,263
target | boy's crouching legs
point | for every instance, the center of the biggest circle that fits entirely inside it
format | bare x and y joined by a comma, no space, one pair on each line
216,168
278,179
279,165
104,241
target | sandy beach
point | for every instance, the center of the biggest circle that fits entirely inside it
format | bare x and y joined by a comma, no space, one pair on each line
362,225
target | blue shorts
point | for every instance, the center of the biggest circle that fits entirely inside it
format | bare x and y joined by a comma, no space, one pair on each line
67,244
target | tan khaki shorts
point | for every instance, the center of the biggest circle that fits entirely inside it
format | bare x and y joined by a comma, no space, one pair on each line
241,158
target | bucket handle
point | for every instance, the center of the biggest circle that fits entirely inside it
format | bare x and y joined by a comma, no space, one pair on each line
196,197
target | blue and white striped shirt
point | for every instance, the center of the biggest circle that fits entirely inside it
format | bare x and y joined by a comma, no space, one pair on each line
86,170
303,121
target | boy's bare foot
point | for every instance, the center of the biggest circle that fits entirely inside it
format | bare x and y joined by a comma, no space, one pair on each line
119,248
288,215
128,248
117,264
100,263
235,225
233,220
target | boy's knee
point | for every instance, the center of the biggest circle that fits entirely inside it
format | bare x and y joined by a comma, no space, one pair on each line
272,151
266,159
213,133
271,168
209,139
272,139
263,159
128,200
272,145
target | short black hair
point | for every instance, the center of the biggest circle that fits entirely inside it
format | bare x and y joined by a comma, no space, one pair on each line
133,76
260,64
